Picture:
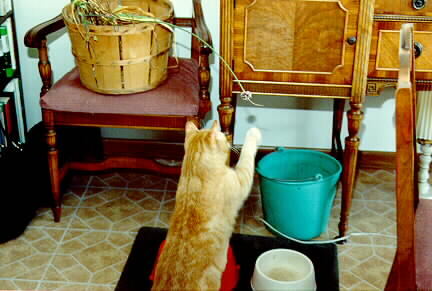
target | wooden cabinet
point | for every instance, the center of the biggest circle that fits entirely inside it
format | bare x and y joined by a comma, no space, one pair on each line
300,48
339,49
308,42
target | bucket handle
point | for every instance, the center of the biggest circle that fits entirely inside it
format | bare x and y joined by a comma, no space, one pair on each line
316,178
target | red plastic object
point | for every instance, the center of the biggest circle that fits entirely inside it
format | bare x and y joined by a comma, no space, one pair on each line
229,277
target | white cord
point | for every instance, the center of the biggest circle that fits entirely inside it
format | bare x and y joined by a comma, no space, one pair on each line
323,241
247,96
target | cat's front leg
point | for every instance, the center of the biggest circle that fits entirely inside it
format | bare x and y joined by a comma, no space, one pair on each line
253,139
246,164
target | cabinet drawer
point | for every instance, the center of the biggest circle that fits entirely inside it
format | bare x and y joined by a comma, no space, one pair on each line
384,58
404,7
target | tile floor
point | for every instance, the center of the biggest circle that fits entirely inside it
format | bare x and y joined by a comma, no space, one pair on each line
102,213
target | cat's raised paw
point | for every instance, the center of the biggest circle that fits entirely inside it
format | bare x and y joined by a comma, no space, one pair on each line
254,133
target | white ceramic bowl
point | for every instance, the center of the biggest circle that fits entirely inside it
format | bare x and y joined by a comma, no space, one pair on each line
283,269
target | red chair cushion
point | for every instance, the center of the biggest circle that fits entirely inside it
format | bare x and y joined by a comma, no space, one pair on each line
178,95
424,244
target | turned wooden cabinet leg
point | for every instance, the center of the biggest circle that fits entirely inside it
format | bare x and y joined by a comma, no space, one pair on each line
226,114
53,162
352,142
423,173
338,111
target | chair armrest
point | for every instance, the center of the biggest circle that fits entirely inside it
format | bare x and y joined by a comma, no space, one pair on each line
37,34
201,28
37,38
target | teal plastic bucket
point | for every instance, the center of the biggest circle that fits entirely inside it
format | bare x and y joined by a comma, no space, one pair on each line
298,188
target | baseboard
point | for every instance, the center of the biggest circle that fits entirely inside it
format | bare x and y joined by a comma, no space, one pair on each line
159,149
377,160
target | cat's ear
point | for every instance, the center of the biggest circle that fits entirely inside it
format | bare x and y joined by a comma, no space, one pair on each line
190,127
214,131
215,126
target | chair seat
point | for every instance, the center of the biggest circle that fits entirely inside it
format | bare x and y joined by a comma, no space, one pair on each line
178,95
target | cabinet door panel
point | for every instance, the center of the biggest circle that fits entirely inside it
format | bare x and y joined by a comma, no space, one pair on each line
294,40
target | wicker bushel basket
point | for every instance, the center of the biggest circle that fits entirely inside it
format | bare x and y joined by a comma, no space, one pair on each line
122,59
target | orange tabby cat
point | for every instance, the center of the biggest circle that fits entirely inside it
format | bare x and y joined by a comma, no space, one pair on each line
209,196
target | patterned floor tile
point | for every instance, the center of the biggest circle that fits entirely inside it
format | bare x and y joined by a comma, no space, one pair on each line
168,202
347,280
369,221
118,209
26,284
28,256
17,285
95,257
164,218
79,179
45,218
376,194
133,224
66,286
129,175
172,184
96,181
148,182
103,212
116,181
374,270
253,226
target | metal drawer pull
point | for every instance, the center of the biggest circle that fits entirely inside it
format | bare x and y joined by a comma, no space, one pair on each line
418,49
351,40
419,4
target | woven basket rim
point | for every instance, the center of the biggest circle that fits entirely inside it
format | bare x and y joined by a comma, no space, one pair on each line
67,19
126,62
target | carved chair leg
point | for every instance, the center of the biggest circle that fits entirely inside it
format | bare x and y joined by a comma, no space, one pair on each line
53,162
204,81
352,142
338,111
226,114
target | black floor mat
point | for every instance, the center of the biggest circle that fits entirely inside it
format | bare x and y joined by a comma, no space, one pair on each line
135,275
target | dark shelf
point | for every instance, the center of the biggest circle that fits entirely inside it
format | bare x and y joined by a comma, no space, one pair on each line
5,81
4,17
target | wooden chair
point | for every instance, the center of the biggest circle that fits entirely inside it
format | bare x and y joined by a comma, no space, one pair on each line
183,96
412,266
